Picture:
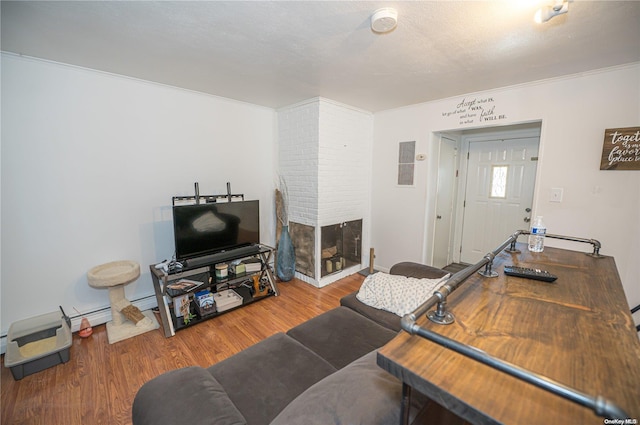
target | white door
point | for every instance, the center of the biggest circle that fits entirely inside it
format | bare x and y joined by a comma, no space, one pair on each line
499,193
445,203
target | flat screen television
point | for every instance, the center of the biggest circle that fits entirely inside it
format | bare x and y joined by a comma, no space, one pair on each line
204,229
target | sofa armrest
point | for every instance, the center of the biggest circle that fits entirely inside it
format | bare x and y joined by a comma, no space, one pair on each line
184,396
420,271
381,317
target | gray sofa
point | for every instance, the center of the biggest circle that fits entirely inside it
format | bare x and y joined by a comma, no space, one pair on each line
321,372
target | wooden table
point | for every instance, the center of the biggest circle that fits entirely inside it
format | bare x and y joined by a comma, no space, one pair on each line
577,331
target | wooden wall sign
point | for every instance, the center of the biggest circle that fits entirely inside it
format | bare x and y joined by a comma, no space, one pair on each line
621,149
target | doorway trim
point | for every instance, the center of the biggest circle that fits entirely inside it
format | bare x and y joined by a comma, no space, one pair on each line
529,129
450,209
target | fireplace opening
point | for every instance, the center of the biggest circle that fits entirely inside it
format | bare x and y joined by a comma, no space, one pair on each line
304,240
341,246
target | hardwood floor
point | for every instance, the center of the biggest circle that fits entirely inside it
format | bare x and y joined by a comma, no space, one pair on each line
98,384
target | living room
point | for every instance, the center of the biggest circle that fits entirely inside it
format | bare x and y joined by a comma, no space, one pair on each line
91,159
115,149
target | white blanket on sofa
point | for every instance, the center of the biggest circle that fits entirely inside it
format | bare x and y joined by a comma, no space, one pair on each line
397,294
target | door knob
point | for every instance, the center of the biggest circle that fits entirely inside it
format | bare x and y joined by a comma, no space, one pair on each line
439,217
527,219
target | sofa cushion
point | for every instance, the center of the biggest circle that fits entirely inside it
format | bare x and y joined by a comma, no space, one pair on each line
341,336
262,379
184,396
359,394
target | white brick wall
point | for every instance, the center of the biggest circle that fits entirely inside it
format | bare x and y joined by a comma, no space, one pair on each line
325,153
298,138
344,163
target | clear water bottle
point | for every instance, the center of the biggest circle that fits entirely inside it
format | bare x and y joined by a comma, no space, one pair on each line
536,238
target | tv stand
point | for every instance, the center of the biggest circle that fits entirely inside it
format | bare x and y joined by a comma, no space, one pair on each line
248,287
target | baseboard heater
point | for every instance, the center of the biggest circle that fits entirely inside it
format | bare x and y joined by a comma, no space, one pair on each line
96,317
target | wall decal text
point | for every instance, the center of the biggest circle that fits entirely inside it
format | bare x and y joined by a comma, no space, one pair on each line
475,111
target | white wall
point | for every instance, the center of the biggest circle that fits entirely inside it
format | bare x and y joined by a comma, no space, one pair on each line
90,162
575,111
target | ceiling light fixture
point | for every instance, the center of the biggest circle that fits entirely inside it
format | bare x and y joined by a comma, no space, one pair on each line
549,11
384,20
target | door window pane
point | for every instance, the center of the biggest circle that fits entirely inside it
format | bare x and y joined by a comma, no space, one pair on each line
499,181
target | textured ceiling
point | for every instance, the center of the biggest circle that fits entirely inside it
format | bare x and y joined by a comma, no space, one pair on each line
279,53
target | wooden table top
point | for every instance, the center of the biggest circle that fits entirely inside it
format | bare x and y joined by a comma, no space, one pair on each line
577,331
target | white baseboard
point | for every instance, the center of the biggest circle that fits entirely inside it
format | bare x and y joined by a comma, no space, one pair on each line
97,317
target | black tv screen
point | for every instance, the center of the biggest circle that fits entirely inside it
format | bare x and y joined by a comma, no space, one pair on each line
205,229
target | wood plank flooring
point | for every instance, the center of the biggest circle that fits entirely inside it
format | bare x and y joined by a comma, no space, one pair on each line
98,384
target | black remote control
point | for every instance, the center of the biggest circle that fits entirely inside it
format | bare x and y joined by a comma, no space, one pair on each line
528,273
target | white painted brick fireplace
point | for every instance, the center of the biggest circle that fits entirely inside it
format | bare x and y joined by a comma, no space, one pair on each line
325,151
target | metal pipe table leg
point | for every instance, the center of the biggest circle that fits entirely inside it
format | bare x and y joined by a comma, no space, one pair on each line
405,405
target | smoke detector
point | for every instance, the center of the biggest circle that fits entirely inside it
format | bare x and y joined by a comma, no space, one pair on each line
384,20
